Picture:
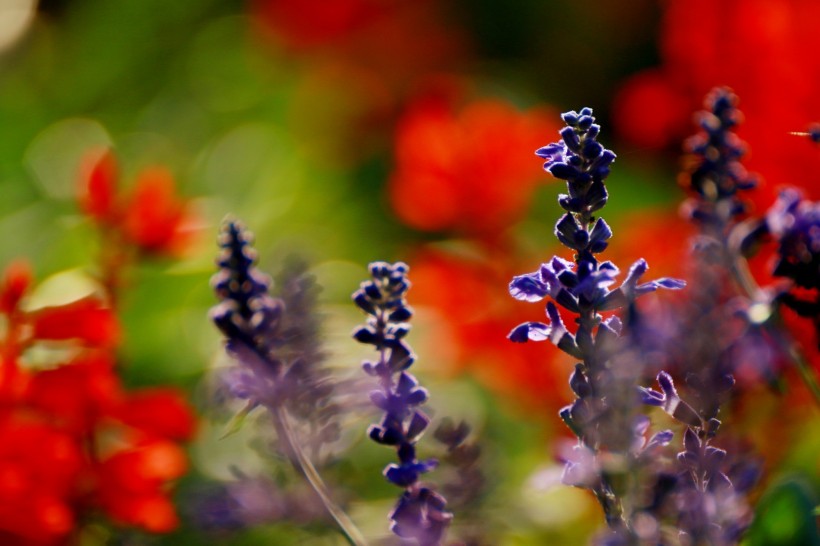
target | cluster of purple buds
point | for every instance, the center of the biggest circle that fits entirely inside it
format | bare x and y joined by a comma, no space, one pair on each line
718,174
420,513
584,288
249,318
795,224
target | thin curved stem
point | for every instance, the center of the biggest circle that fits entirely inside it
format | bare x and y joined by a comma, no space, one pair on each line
302,463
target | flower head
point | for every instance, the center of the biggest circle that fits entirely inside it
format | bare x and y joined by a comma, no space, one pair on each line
420,512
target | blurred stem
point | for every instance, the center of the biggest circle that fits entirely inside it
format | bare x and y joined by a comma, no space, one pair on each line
306,468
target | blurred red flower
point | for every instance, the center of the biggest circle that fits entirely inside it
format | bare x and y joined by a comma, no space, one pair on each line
75,441
757,47
152,218
476,314
469,170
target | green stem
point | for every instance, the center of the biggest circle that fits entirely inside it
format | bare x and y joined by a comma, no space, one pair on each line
305,467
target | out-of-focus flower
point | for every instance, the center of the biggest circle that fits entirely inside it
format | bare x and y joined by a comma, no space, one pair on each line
370,34
757,47
475,320
151,218
795,224
317,23
75,441
465,169
273,342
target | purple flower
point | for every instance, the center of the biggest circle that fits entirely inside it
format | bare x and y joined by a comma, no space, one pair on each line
795,224
604,414
718,175
420,513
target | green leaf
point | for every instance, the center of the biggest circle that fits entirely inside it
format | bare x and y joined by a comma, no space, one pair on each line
785,516
235,425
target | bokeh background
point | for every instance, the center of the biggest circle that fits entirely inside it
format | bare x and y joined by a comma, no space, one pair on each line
346,131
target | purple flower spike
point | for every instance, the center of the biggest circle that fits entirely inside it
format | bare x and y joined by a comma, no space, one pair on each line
420,513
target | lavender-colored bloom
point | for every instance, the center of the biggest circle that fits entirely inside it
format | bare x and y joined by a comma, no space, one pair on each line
277,357
278,353
463,461
718,175
420,513
795,224
604,381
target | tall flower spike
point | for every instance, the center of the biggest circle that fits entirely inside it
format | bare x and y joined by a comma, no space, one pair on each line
267,374
604,413
717,175
420,513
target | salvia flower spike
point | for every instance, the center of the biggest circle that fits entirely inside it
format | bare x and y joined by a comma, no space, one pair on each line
420,513
251,321
584,288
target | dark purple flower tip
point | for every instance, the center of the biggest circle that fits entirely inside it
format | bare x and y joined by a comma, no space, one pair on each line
667,385
401,314
363,302
571,139
528,287
385,435
597,195
365,334
585,111
714,457
691,442
405,475
418,424
380,400
570,233
402,475
551,151
371,290
585,121
570,118
579,383
599,236
379,270
563,171
397,331
651,397
660,439
529,331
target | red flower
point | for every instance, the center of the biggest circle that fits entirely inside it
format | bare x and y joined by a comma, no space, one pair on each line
16,280
469,171
152,217
74,441
155,219
131,484
99,187
160,412
473,315
39,466
757,47
86,320
77,394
